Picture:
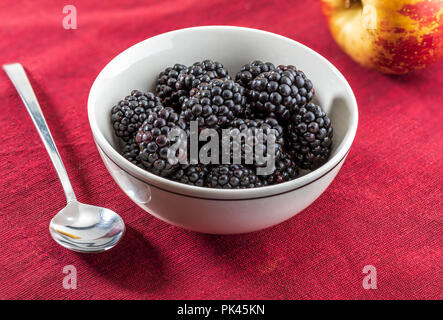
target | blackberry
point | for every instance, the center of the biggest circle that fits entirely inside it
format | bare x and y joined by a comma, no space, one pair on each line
201,72
166,86
251,70
255,140
252,115
234,176
280,92
129,114
249,114
131,152
227,93
215,104
191,174
285,170
310,136
152,139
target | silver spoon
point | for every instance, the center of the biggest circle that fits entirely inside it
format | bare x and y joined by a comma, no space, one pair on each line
79,227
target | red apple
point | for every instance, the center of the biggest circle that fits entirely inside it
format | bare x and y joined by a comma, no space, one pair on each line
392,36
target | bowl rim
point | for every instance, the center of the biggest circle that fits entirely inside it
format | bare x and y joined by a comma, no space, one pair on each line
212,193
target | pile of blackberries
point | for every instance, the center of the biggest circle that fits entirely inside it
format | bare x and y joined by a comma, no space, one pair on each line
260,99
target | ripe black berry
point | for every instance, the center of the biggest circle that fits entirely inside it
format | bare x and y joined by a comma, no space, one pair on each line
155,145
285,170
234,176
253,136
251,70
131,151
201,72
192,174
129,114
166,86
310,136
214,104
280,92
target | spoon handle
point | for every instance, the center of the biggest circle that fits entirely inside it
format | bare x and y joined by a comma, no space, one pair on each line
21,83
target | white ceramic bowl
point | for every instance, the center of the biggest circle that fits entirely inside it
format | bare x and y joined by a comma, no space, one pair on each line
207,210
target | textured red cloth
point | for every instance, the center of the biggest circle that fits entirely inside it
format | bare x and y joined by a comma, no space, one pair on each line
383,209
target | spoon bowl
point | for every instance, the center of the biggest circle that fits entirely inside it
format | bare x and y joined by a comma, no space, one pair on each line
86,228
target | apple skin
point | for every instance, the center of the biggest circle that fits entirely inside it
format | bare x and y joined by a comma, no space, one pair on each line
391,36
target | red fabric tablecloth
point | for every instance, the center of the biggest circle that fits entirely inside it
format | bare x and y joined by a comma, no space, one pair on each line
383,209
